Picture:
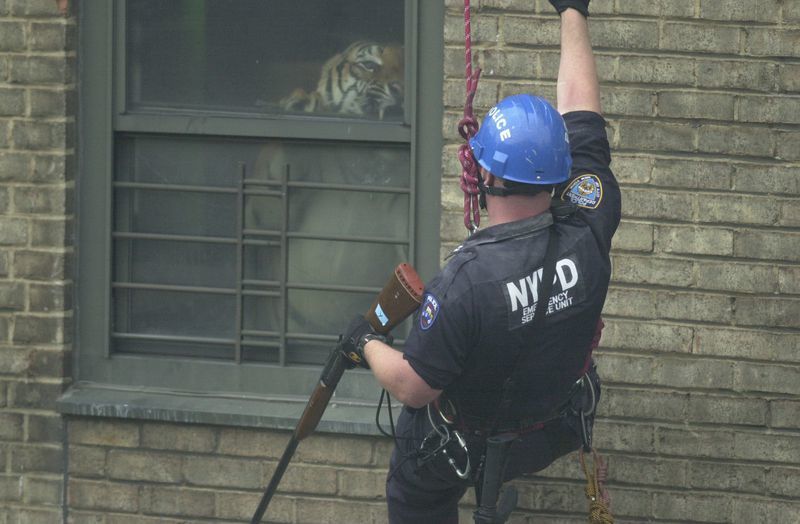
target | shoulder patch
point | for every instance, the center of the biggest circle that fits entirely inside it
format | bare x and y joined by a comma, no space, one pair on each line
584,191
428,311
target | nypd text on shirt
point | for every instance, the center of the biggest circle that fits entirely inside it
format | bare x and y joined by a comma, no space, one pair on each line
522,294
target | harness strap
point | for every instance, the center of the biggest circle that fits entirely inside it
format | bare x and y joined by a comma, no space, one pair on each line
548,274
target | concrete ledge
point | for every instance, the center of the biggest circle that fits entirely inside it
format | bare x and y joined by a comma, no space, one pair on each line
344,416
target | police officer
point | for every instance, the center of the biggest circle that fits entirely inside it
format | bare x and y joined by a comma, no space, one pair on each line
477,326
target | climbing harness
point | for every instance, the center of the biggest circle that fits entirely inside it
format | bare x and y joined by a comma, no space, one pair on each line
467,127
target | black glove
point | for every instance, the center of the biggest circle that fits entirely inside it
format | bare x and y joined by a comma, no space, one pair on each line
352,342
581,5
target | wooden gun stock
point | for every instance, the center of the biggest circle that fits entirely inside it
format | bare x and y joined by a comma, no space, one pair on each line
400,297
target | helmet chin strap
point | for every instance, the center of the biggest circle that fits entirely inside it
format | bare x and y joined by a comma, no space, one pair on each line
525,189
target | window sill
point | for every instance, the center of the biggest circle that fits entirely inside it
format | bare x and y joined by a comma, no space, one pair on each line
342,416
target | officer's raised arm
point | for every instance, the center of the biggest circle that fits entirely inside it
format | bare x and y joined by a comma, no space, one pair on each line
578,87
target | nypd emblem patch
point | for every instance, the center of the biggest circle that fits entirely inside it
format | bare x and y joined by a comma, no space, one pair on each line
428,311
584,191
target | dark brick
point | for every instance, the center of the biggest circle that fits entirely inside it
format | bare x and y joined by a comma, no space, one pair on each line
38,330
52,37
11,426
50,297
51,233
27,458
39,135
12,295
39,265
12,37
14,167
12,101
45,428
34,395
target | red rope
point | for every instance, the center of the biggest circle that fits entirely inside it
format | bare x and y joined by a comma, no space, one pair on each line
467,127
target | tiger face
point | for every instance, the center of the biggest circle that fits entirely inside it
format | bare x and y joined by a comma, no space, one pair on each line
366,79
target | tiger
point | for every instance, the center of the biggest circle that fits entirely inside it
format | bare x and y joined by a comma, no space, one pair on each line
366,79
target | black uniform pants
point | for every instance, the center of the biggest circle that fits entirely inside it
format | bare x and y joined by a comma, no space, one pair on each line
429,494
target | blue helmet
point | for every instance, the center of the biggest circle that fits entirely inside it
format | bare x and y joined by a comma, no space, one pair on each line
523,138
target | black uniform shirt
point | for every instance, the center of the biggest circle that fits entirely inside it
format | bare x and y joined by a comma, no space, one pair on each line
476,313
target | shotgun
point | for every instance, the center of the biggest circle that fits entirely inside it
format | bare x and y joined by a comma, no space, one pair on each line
399,298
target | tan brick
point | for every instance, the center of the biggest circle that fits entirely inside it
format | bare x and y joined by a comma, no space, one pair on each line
323,511
692,174
647,336
362,484
643,404
302,478
627,302
768,11
666,70
736,276
625,34
746,511
727,410
240,506
703,38
772,245
769,378
644,203
657,136
789,78
628,102
484,29
647,471
726,73
770,109
693,373
90,494
681,507
787,145
624,436
738,209
775,312
181,438
695,105
633,236
143,466
674,8
223,472
103,433
632,169
631,269
694,307
739,343
694,240
693,442
763,41
352,451
782,180
520,30
726,477
250,442
40,491
166,500
86,461
766,447
783,414
735,140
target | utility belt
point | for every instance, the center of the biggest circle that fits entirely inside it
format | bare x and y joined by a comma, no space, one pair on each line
452,431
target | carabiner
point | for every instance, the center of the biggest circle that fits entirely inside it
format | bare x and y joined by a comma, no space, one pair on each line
463,474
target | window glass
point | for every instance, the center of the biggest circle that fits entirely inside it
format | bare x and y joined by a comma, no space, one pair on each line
251,249
341,59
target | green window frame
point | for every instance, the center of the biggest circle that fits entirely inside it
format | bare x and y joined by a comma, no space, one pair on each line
233,391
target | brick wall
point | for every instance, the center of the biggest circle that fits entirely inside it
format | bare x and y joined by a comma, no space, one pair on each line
37,51
700,418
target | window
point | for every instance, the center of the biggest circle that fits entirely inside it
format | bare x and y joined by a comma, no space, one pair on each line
251,172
